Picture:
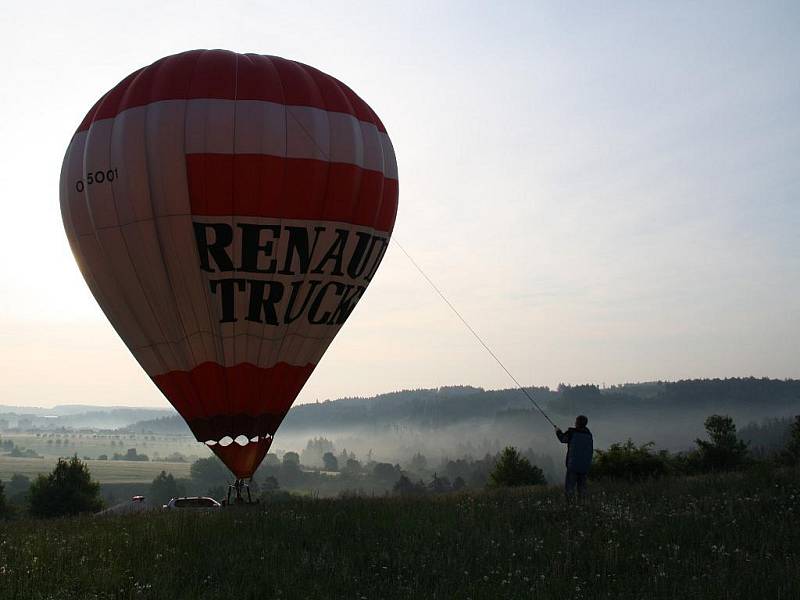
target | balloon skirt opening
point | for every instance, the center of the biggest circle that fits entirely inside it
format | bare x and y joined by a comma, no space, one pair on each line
242,460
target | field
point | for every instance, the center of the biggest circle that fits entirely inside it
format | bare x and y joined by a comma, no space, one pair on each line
94,444
104,471
107,472
712,537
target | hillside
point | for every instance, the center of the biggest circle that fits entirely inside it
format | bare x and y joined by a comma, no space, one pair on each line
745,398
709,537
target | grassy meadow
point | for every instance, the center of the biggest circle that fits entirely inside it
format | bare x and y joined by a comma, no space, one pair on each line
95,444
103,471
710,537
109,472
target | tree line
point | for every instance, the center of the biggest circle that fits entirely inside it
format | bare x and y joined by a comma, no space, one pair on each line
69,489
441,407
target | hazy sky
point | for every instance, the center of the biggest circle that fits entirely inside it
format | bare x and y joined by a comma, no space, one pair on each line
607,193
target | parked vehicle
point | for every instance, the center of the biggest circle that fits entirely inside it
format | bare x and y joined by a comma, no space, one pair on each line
192,502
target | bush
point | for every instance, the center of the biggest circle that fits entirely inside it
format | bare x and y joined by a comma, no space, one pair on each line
791,454
405,487
512,469
68,490
131,454
175,457
630,462
18,452
352,467
271,484
725,451
210,472
4,508
164,488
440,485
386,472
17,489
330,462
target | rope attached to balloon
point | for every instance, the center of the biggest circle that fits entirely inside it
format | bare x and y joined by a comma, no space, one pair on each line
473,332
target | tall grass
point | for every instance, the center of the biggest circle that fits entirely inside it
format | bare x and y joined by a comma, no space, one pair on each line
711,537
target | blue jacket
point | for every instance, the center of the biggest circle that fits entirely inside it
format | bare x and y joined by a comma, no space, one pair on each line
580,448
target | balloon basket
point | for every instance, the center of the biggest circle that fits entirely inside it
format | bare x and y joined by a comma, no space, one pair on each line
239,494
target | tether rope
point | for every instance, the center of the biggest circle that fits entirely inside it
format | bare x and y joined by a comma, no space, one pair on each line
473,332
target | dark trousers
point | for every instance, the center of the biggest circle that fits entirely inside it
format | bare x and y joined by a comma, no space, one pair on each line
572,480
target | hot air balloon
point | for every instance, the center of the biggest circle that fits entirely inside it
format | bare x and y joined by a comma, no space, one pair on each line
228,211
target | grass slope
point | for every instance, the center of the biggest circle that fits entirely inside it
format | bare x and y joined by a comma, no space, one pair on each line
732,536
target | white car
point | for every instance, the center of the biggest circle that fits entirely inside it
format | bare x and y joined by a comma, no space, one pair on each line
193,502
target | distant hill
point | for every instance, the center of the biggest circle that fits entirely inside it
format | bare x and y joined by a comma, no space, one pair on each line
657,403
77,417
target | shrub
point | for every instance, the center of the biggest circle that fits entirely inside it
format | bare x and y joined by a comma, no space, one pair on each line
725,450
352,467
68,490
271,484
440,485
164,488
4,509
208,472
630,462
131,454
405,487
330,462
386,472
791,454
512,469
17,489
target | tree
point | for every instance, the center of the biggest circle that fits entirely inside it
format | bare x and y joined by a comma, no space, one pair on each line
175,457
131,454
512,469
68,490
629,461
439,485
404,487
352,466
164,488
330,462
314,450
290,473
725,450
291,457
4,508
270,484
208,472
418,463
791,454
386,472
17,488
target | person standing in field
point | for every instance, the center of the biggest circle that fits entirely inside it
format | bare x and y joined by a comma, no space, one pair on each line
580,447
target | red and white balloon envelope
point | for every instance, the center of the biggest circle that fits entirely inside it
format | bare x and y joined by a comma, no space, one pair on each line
228,211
